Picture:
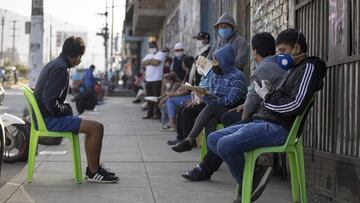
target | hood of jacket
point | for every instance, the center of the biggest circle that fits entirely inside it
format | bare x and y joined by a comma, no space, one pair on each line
226,58
226,18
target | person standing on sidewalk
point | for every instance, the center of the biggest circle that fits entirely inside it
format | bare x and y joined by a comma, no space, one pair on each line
226,30
154,63
50,93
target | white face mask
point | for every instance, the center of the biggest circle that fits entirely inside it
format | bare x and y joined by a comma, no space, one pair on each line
152,50
167,85
199,44
179,53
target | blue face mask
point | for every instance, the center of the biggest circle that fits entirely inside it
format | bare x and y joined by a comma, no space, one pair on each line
224,33
285,61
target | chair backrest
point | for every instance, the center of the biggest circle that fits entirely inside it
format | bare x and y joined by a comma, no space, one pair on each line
298,124
36,118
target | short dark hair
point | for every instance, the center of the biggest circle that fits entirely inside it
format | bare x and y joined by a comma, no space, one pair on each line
92,66
264,43
73,47
292,37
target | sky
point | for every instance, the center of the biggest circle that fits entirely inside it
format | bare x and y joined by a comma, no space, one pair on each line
80,12
75,12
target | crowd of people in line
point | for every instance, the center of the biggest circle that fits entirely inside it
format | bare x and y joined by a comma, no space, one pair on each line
191,93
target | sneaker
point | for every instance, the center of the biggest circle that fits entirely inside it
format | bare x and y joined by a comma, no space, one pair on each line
182,146
173,142
101,176
261,178
136,101
196,174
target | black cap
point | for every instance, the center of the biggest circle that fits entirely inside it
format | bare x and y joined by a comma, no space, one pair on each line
202,36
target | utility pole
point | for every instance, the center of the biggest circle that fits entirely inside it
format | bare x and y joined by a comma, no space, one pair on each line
2,38
13,42
112,35
36,41
105,34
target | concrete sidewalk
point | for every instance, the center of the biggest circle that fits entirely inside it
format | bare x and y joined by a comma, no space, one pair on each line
137,152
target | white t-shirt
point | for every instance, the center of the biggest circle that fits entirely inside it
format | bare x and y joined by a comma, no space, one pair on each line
154,73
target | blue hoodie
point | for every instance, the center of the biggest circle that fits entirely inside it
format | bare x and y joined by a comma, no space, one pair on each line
230,88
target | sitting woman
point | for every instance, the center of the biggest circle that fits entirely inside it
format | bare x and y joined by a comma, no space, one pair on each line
172,84
228,88
181,96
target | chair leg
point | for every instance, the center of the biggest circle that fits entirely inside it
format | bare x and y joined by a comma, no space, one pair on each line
31,157
300,161
294,177
248,177
76,158
203,150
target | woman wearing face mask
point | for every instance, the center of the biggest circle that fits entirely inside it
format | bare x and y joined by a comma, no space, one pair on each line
182,95
172,83
225,28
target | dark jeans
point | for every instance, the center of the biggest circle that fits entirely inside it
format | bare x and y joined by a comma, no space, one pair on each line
208,118
185,119
212,162
86,100
153,89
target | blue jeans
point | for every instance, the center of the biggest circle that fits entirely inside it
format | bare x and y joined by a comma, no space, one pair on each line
231,143
173,102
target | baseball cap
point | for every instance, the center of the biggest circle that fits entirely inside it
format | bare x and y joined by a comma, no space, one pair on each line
202,35
179,46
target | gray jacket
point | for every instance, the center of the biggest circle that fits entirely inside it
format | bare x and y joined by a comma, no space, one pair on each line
241,46
268,69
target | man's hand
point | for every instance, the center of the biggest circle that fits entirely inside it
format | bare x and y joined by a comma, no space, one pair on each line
191,103
199,94
238,108
265,88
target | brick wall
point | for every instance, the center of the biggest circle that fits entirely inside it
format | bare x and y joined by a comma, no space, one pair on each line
269,16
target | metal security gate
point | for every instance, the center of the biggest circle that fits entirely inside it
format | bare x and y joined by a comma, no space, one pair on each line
332,134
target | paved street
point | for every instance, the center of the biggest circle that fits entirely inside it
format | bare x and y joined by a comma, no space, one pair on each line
137,151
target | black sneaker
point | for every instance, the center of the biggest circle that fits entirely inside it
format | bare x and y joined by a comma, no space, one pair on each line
182,146
173,142
101,176
196,174
261,178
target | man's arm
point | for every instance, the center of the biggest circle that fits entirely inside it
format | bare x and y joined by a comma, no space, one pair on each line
294,101
54,87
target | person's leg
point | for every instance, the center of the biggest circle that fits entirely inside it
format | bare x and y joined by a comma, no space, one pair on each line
231,148
189,116
93,131
164,115
156,89
172,104
231,117
149,92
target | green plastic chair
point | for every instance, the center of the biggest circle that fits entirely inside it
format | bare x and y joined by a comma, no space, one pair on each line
36,117
295,150
203,150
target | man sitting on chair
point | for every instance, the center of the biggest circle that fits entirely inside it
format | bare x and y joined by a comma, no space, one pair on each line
50,92
278,111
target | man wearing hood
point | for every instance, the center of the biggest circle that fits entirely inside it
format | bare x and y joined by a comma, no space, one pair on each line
276,115
176,66
226,29
227,90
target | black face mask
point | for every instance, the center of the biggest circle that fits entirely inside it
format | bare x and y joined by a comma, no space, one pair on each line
217,70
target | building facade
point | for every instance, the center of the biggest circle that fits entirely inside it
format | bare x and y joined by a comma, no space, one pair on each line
331,27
